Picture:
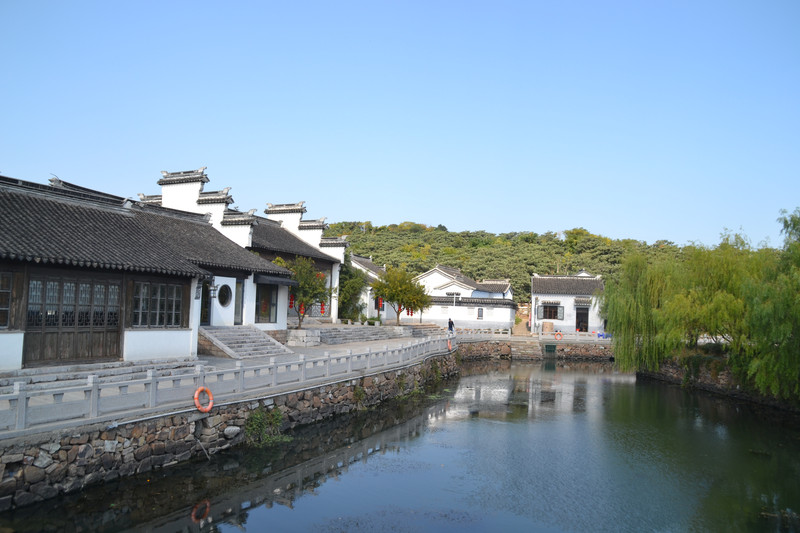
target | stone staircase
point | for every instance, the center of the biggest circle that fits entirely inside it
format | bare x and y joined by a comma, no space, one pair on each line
522,349
427,330
239,342
350,334
42,378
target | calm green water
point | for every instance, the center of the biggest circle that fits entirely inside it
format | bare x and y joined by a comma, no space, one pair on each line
510,447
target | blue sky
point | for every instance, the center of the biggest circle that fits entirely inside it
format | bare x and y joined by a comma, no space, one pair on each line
645,119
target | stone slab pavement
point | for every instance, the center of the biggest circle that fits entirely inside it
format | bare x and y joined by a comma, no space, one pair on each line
311,352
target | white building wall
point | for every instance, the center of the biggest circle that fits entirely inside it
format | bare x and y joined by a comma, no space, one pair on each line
11,350
567,325
223,315
158,344
182,196
194,316
217,212
435,279
241,234
464,317
310,236
289,221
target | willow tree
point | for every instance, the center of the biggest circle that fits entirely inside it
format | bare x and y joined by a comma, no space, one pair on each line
398,288
774,318
633,304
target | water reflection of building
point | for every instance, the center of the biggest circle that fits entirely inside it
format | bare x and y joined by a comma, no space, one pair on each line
530,391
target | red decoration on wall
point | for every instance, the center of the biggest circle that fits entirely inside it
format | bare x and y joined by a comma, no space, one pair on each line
291,300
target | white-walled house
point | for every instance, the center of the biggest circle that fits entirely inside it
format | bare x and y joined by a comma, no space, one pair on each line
373,307
87,276
566,303
487,304
263,301
290,217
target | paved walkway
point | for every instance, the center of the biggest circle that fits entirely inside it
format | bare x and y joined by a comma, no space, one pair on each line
310,352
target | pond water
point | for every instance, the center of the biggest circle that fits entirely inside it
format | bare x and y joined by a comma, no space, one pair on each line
528,447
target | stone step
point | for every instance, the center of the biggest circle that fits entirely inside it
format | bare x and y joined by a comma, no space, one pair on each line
43,379
246,341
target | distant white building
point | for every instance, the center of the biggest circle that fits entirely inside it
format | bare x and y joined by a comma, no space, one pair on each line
373,307
566,303
260,300
471,304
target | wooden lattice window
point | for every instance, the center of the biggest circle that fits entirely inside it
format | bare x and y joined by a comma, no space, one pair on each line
157,305
58,303
551,312
5,298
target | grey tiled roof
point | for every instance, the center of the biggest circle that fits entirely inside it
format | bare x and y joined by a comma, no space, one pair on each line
285,208
73,226
216,197
313,224
334,242
184,176
268,235
237,218
494,285
366,263
458,276
567,285
447,301
152,199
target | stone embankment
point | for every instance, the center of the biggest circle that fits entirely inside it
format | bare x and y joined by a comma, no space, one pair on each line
711,374
532,351
34,469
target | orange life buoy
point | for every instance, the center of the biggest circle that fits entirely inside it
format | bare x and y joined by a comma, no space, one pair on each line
559,336
449,346
206,508
197,403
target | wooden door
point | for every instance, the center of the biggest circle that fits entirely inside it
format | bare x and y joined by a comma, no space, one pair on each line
72,319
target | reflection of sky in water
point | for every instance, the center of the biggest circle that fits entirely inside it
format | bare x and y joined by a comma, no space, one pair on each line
535,450
528,448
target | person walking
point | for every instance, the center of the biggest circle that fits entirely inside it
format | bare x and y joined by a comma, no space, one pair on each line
450,326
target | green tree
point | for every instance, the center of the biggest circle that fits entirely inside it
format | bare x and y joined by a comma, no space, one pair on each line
398,288
311,287
774,318
351,283
633,306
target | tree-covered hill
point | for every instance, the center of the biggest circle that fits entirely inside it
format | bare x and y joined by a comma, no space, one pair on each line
481,255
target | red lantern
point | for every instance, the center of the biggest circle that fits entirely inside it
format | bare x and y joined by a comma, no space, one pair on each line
291,300
322,307
302,309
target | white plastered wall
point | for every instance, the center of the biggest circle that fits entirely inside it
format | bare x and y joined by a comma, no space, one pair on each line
158,344
11,350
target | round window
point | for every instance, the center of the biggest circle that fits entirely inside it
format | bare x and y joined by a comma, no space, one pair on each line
225,295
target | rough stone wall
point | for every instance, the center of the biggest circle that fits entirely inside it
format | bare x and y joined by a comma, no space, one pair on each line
40,467
280,335
711,375
584,352
473,351
502,350
206,347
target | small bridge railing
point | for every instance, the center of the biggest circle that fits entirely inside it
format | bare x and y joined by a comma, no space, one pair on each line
25,410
